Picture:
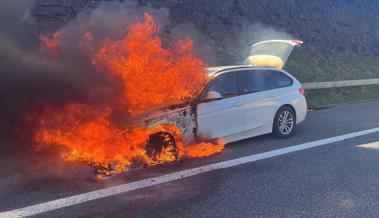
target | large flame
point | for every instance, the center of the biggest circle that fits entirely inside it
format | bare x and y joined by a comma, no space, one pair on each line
151,77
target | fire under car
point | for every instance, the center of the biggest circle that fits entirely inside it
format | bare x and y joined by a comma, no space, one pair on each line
239,102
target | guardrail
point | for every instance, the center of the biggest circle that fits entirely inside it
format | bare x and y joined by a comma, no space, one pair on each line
340,84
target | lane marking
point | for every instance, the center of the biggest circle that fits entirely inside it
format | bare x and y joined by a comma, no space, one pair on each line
103,193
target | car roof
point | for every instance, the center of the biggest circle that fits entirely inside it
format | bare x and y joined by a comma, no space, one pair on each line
215,71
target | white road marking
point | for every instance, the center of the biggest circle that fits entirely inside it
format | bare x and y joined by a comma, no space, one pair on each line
102,193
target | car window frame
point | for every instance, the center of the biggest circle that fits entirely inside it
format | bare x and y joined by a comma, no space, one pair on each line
285,75
247,93
206,89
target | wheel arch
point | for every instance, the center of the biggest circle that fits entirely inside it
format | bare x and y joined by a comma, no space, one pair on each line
290,106
172,128
285,105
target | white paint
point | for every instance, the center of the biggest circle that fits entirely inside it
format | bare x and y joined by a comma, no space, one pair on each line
102,193
248,115
374,146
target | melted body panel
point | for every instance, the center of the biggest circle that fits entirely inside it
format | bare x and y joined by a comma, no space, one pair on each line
182,117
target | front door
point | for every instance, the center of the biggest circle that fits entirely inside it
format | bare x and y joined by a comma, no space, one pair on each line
224,117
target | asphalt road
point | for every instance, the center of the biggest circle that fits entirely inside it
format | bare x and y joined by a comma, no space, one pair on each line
334,180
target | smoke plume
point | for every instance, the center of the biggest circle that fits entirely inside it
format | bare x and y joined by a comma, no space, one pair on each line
253,33
30,81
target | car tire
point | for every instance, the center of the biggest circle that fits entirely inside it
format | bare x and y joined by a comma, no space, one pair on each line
159,144
284,122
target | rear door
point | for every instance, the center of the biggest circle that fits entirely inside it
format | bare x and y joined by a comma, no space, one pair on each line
271,53
225,117
258,99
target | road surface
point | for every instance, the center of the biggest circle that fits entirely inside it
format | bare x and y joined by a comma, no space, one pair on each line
332,177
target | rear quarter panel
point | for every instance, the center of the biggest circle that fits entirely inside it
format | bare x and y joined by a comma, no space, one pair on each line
294,98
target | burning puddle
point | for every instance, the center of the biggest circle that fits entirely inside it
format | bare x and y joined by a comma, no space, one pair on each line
149,77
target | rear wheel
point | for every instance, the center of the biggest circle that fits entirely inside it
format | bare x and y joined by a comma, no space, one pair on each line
161,148
284,122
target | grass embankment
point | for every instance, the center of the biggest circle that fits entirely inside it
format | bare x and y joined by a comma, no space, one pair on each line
314,68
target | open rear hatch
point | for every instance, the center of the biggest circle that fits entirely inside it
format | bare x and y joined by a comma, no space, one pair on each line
272,53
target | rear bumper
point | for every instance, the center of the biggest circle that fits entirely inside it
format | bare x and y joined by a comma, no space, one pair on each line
301,111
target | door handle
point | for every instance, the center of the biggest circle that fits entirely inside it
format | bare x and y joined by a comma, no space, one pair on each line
237,105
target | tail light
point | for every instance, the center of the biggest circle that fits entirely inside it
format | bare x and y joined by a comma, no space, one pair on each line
302,91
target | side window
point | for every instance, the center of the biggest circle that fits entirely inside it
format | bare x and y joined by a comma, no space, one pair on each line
226,85
256,81
280,79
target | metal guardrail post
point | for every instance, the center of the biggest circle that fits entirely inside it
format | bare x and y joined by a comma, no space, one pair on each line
340,84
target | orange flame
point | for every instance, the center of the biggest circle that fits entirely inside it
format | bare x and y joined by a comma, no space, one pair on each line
91,137
151,77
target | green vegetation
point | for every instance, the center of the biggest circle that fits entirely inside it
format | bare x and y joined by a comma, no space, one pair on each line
336,96
317,68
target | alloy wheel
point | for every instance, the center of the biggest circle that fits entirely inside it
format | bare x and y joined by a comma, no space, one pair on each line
286,122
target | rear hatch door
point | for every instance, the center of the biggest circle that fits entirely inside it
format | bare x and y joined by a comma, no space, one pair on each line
272,53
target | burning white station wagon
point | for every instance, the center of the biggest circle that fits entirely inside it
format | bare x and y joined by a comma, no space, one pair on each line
239,102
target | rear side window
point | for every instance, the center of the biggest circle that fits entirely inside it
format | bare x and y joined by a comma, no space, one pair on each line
226,85
256,81
280,79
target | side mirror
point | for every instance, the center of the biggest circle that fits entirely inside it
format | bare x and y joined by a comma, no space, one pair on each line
213,95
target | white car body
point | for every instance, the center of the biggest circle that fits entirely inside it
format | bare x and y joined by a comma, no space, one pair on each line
246,114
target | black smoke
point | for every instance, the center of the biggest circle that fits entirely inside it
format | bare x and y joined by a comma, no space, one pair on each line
30,82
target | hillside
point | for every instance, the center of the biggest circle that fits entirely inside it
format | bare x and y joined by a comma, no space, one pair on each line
341,37
329,27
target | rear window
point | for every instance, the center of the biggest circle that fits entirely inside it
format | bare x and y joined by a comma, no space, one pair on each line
256,81
280,79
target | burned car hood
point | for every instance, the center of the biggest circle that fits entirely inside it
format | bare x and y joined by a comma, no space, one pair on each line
172,109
